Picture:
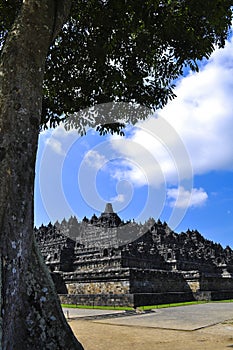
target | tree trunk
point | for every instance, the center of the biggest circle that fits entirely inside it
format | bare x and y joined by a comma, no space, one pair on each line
31,316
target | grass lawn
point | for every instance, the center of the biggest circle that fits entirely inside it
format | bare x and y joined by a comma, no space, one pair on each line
147,307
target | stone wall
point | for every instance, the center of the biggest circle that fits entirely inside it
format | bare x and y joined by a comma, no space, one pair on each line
138,287
215,282
213,295
143,299
157,281
108,287
99,299
127,300
112,281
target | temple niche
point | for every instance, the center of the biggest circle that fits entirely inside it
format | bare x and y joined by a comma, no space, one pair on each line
106,261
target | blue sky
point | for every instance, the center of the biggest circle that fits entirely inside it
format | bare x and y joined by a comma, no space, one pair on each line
176,166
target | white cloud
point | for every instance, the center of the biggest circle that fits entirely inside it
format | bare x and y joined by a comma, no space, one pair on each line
59,140
153,155
120,198
94,159
181,198
55,145
202,113
126,169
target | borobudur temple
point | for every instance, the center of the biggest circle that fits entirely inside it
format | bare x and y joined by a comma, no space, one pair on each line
106,261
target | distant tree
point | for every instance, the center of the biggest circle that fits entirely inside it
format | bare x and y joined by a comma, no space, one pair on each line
57,57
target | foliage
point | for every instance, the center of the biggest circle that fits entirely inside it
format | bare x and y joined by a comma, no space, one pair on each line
124,50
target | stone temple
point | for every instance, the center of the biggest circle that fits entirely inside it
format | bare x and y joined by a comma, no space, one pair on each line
106,261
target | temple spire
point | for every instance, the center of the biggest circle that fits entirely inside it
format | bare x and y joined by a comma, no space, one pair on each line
108,208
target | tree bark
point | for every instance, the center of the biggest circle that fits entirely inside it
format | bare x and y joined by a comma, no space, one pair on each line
31,316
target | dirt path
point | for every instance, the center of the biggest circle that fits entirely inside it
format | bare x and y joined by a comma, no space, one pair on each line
97,336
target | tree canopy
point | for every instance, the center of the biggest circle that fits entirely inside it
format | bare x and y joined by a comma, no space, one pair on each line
124,50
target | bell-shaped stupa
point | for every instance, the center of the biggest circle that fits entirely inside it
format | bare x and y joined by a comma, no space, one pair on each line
109,218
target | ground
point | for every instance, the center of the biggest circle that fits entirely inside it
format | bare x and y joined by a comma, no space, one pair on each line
97,336
196,327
